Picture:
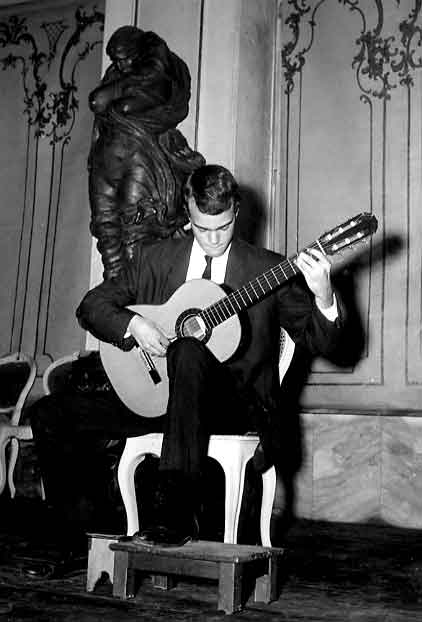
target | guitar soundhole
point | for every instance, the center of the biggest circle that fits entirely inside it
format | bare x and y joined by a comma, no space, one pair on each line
190,324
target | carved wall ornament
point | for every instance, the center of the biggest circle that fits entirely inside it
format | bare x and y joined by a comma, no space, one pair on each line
48,58
51,112
383,61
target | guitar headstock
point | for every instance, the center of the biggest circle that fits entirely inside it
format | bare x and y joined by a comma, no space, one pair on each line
350,233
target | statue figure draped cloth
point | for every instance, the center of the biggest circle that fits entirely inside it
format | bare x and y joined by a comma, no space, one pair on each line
138,161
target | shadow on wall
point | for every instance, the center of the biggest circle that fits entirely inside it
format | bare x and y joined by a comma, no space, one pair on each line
252,216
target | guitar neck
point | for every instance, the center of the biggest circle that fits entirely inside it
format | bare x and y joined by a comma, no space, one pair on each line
251,293
351,232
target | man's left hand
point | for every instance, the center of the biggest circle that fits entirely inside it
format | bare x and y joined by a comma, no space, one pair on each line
315,267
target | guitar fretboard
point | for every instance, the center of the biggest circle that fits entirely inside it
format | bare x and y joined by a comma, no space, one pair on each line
354,230
252,292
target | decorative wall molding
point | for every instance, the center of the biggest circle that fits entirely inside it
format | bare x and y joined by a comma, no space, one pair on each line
377,57
48,59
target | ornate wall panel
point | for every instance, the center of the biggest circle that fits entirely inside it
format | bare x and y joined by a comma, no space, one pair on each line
50,55
352,143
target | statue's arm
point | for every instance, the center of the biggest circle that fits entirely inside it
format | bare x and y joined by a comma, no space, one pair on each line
151,85
106,224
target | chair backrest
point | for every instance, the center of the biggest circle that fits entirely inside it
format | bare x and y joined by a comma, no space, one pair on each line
17,376
287,348
57,375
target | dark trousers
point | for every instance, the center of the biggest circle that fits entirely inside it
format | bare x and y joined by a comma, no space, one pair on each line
72,430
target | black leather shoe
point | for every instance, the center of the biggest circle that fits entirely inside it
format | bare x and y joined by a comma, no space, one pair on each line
171,520
160,535
176,531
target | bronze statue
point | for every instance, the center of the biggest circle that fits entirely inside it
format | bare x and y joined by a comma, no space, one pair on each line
138,161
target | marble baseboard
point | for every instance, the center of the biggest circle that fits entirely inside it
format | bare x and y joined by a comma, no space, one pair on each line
360,468
401,485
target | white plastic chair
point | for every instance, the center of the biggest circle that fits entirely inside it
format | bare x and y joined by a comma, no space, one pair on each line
231,452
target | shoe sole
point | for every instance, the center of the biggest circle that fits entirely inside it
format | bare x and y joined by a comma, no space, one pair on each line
166,545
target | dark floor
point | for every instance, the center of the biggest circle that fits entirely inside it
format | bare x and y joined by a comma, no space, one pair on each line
331,572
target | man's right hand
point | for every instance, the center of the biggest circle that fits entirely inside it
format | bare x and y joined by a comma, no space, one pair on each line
148,335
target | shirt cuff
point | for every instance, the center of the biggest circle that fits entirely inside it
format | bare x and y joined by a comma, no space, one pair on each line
128,333
331,313
129,341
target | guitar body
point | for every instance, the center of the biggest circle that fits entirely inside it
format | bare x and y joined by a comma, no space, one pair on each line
128,371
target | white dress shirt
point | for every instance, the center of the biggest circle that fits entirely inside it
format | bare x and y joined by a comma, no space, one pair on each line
197,264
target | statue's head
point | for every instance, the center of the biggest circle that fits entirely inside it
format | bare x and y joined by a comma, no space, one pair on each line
124,47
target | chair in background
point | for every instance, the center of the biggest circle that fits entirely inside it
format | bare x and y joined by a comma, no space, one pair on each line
17,376
57,375
231,452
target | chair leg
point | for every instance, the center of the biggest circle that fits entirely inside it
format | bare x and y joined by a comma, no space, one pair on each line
234,467
4,439
126,478
232,495
16,433
268,493
135,450
13,457
233,454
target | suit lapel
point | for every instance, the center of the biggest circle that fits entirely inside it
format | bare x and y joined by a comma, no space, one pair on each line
179,262
235,271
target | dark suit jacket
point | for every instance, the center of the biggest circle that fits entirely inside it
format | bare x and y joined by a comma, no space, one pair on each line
162,268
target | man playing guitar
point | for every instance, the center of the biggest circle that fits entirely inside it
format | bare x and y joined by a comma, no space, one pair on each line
206,395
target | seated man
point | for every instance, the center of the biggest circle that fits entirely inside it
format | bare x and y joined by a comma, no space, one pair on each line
205,396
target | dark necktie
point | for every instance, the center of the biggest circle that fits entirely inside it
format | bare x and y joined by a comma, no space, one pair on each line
207,272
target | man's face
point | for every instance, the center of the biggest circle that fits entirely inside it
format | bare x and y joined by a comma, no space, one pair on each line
213,232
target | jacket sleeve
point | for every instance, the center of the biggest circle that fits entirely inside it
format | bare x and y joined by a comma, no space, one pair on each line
307,326
103,310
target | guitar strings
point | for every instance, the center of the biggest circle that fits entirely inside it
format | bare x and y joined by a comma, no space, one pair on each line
250,293
247,295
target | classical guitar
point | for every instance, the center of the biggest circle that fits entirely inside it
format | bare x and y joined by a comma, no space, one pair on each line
201,309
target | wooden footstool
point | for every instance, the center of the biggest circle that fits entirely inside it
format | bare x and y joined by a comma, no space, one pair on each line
228,563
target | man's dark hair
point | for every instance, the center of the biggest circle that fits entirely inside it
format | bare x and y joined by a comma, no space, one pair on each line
213,188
